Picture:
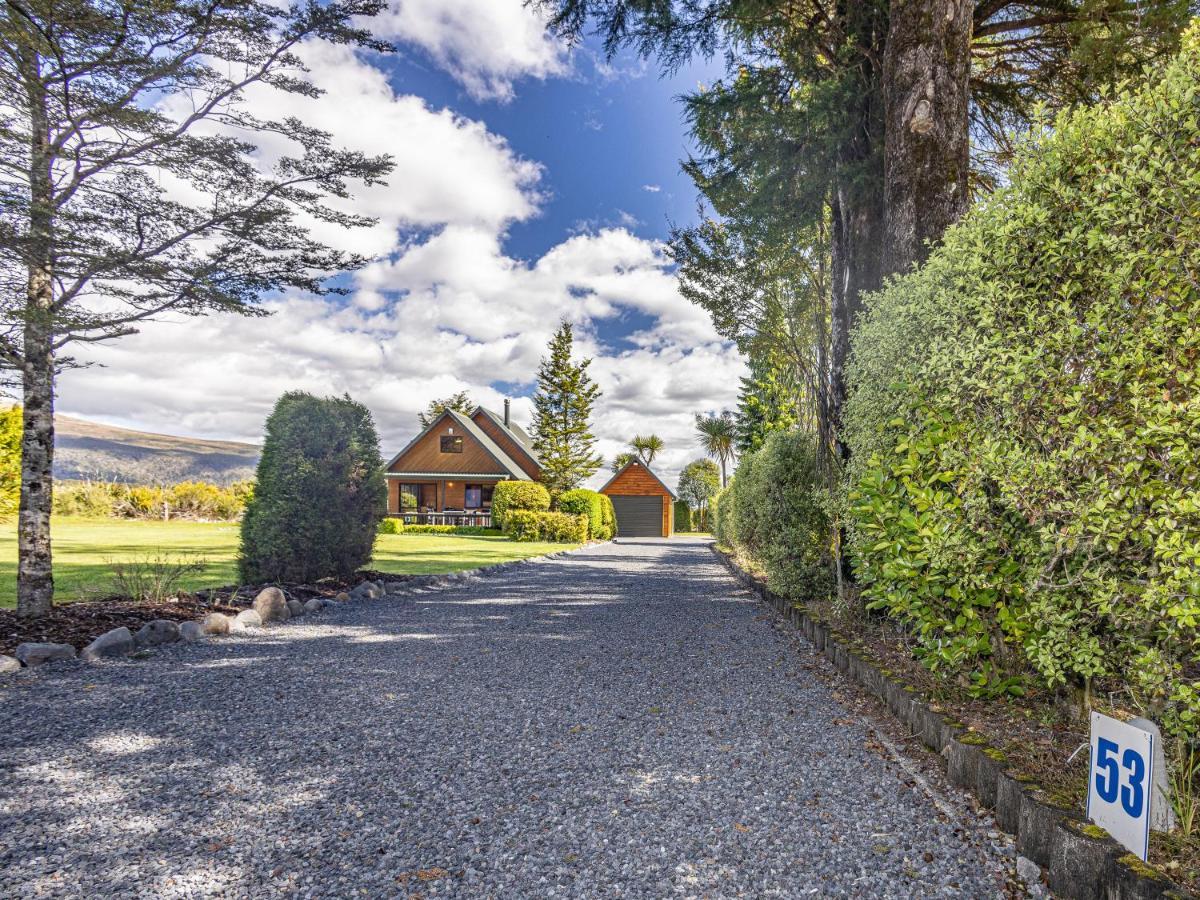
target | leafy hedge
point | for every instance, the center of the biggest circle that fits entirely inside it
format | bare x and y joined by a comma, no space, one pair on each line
319,492
187,500
553,527
596,506
517,495
773,511
683,516
1025,419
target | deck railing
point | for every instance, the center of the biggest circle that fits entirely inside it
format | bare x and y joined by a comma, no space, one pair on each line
477,519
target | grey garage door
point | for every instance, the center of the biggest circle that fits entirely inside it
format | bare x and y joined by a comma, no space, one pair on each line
638,516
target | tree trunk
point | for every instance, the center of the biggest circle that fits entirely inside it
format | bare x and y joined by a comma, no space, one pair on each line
857,213
35,578
926,71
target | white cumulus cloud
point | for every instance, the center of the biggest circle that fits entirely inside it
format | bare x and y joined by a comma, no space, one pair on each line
487,45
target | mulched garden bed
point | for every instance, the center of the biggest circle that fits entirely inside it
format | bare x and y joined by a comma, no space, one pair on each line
81,622
1039,733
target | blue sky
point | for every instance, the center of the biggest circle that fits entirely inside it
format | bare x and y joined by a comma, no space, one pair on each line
532,184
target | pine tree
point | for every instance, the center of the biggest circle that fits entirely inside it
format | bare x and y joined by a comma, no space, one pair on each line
562,416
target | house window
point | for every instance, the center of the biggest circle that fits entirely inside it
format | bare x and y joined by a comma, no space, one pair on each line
452,443
478,496
410,495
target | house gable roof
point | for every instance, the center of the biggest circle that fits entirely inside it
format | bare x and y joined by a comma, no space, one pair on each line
645,468
523,440
493,449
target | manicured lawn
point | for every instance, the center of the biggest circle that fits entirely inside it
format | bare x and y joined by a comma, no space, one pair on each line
84,550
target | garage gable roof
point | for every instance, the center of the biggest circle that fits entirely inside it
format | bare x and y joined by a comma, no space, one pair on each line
645,468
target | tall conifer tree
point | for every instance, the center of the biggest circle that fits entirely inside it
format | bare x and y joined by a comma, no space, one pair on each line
562,416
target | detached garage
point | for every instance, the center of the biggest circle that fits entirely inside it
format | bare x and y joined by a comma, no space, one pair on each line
643,504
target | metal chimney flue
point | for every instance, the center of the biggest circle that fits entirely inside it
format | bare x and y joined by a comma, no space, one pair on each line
507,404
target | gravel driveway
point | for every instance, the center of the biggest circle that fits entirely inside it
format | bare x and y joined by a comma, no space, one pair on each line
623,722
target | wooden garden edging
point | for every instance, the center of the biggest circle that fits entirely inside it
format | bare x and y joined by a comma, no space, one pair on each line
1080,860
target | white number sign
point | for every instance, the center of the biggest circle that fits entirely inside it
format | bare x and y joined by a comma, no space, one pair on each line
1120,781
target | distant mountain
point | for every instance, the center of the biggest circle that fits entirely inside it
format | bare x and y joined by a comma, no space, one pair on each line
88,450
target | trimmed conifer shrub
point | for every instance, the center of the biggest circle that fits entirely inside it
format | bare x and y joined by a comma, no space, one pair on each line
683,516
319,493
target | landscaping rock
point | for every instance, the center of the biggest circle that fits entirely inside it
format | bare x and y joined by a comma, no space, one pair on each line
116,643
249,618
34,654
316,604
368,590
342,597
295,608
215,623
190,632
156,632
8,665
271,606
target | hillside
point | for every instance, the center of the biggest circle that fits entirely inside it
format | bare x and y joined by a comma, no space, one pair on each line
84,450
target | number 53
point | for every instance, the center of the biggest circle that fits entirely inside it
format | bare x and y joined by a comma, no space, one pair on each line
1108,777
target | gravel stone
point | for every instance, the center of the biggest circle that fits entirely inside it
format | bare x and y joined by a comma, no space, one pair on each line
157,632
115,643
624,722
35,654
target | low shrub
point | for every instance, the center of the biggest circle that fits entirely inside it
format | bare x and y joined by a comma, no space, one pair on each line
683,516
517,495
552,527
1024,422
392,525
608,516
470,530
591,504
197,500
774,512
153,578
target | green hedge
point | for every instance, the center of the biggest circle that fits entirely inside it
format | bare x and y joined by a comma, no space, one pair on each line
683,516
395,525
553,527
591,504
517,495
774,512
1025,419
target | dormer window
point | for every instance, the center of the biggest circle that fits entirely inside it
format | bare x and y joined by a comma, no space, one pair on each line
452,443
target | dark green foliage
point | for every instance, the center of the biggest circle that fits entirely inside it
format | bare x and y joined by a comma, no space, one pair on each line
459,402
319,493
683,516
774,513
552,527
563,404
1026,419
509,495
587,503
